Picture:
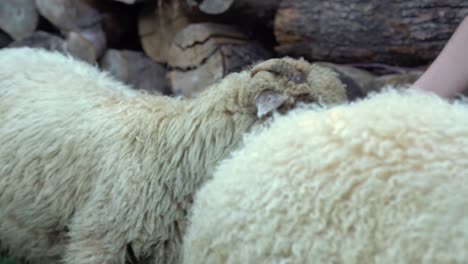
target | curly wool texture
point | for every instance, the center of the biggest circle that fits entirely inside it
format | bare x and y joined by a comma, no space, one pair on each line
90,168
382,180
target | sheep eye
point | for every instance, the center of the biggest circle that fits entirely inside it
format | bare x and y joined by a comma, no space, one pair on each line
296,77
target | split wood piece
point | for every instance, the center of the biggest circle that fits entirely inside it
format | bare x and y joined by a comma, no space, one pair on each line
79,23
158,25
203,53
409,33
196,42
86,45
18,18
136,69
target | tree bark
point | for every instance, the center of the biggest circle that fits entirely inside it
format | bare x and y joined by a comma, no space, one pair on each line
203,53
402,32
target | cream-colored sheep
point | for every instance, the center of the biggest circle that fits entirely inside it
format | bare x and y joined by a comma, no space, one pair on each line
382,180
92,171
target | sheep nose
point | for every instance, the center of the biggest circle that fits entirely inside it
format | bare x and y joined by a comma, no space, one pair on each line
282,68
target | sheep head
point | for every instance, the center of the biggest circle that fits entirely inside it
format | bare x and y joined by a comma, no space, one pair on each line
280,84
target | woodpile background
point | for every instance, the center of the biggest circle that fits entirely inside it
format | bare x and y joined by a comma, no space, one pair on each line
179,47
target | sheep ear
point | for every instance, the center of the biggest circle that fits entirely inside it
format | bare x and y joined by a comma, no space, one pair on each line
268,101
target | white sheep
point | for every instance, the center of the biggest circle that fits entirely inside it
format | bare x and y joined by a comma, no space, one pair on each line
381,180
92,171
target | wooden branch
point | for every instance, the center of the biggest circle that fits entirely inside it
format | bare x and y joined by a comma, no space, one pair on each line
136,69
203,53
18,18
395,32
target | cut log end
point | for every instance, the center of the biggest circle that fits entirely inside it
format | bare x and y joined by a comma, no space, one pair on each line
203,53
157,27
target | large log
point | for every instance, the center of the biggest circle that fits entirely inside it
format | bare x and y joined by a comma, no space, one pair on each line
410,32
18,18
203,53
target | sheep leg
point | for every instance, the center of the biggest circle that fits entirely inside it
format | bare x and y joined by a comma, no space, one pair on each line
94,237
93,245
89,252
41,246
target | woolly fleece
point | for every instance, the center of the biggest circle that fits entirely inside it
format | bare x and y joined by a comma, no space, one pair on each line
382,180
90,168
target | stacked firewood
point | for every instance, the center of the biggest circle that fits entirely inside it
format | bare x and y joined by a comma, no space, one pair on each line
181,46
